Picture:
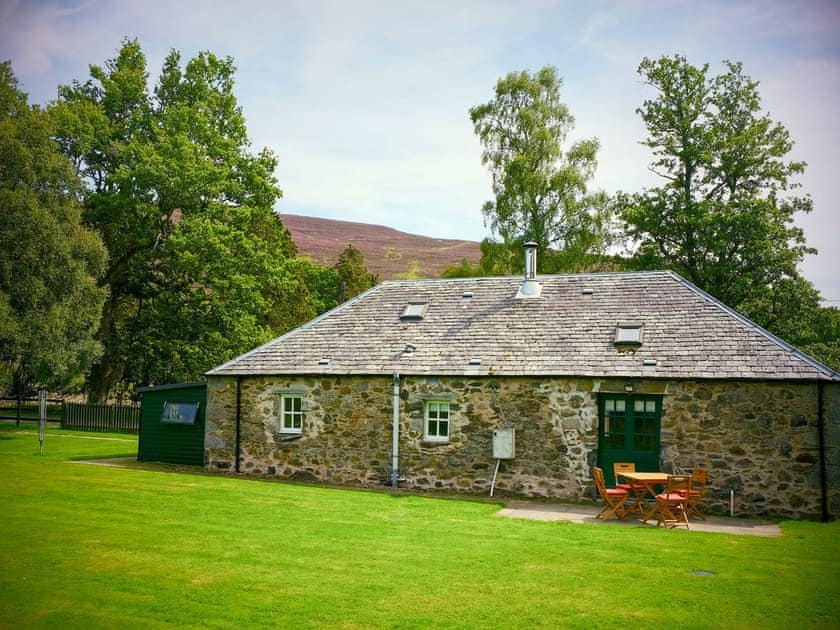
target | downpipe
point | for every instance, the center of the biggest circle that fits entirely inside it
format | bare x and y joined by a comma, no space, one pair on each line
238,446
395,433
821,437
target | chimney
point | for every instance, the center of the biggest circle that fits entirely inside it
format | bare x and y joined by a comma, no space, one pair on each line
530,288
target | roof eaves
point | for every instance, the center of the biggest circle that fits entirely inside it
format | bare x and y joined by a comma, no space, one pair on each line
168,386
824,369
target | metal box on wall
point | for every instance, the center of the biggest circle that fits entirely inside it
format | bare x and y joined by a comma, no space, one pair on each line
504,443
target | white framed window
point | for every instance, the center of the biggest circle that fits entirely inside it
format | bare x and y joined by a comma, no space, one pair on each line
291,413
437,421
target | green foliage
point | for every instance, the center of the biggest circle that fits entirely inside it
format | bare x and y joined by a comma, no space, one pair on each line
212,300
820,337
353,277
200,266
540,188
321,282
724,214
464,269
49,264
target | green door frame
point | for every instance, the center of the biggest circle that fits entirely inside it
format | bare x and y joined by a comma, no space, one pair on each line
629,428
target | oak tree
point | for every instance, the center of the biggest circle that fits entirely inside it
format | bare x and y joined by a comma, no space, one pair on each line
724,214
199,262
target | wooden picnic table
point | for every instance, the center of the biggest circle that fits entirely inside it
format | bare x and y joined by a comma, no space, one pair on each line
648,480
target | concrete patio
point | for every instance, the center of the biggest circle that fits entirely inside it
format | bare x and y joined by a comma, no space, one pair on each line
588,514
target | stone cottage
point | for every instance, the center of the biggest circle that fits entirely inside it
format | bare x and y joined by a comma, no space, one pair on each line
523,385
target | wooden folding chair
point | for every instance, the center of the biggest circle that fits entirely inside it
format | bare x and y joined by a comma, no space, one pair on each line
638,490
699,479
672,505
614,498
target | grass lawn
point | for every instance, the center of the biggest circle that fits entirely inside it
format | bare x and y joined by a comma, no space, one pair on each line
95,546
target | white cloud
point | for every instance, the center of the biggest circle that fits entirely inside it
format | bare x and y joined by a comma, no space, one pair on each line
366,103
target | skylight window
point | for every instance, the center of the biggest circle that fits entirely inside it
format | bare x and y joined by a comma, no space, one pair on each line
414,311
628,334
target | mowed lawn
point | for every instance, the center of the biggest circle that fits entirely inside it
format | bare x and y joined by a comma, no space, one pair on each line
94,546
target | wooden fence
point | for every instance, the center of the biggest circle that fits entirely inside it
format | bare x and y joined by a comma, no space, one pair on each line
26,409
114,418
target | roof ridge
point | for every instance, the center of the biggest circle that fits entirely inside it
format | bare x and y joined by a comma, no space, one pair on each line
655,272
830,373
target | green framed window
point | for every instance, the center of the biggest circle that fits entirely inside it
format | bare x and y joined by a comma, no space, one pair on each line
646,415
437,421
614,423
291,413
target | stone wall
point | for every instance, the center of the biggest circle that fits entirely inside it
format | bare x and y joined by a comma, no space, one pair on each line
760,440
346,435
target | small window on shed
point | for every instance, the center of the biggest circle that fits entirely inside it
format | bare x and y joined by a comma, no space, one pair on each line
179,413
628,334
414,311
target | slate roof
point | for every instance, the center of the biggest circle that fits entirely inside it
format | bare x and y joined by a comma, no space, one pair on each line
569,330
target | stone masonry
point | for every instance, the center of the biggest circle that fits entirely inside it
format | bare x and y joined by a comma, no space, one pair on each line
758,439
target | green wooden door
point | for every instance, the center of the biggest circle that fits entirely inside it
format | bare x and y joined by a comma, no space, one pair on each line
628,431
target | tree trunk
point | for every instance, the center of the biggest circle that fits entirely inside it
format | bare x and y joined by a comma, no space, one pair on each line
109,369
104,376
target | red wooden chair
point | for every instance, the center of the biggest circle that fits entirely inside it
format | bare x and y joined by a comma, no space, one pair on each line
638,490
699,479
614,498
672,505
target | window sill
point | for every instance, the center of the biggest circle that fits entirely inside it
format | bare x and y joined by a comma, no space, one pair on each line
434,442
287,437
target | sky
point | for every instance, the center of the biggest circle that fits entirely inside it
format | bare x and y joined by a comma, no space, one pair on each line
366,103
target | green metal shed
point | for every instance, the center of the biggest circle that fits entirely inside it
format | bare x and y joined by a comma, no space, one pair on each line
172,423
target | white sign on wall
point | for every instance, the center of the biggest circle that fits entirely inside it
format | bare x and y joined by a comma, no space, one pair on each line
504,443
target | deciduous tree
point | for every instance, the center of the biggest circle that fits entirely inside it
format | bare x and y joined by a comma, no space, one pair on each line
821,337
198,259
353,277
49,263
540,185
724,215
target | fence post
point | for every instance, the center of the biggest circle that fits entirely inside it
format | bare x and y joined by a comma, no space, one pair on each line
17,424
63,411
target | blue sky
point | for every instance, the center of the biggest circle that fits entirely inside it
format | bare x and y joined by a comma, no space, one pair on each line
365,103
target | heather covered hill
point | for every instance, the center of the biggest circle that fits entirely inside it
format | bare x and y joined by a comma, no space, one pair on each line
388,253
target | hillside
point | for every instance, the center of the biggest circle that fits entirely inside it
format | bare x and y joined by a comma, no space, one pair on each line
388,253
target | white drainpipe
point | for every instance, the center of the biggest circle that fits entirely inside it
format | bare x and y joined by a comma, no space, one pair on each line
395,434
